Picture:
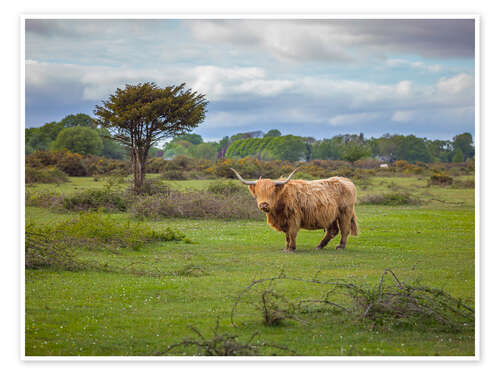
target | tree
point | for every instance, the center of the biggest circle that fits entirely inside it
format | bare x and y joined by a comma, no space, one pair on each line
207,151
79,139
440,150
194,139
288,147
273,133
412,148
80,119
327,149
141,115
353,151
464,143
458,156
111,149
173,149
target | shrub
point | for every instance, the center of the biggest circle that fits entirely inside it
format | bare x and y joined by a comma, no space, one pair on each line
223,344
72,164
43,199
94,199
41,250
440,179
367,163
402,164
196,205
465,184
226,187
388,304
49,246
94,228
173,174
49,175
156,165
76,164
151,187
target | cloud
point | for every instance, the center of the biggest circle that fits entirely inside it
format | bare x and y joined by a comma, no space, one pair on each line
352,118
456,84
404,88
417,65
403,116
248,95
309,77
343,40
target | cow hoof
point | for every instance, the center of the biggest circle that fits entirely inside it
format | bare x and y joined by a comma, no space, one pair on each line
340,247
289,250
319,247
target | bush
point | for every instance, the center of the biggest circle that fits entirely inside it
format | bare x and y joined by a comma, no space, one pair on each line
367,163
465,184
72,164
227,188
77,165
196,205
49,175
41,250
94,199
390,199
173,174
151,187
440,179
91,229
47,247
43,199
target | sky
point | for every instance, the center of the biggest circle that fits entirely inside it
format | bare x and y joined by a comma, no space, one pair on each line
316,78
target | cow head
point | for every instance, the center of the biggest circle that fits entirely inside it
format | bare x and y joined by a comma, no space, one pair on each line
265,191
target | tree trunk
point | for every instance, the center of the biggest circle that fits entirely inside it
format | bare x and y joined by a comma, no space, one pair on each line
139,169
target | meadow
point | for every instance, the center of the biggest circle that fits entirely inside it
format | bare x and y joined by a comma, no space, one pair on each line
140,301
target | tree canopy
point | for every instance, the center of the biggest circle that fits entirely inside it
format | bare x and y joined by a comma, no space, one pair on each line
80,119
79,139
140,115
273,133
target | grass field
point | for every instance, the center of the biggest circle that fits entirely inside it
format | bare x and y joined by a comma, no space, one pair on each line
195,284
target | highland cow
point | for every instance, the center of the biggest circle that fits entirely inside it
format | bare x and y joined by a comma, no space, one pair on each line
290,205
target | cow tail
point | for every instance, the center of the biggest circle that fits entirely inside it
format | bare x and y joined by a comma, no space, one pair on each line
354,225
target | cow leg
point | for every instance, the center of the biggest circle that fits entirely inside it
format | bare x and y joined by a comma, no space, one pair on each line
345,226
287,242
331,232
325,240
290,240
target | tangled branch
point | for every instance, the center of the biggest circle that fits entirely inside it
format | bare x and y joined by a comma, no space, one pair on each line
397,302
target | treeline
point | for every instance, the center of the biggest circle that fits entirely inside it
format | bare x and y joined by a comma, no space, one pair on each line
355,147
77,133
80,134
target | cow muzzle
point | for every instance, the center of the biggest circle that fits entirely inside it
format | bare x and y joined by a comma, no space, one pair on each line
264,206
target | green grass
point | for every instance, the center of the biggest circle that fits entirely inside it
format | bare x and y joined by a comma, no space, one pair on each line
120,313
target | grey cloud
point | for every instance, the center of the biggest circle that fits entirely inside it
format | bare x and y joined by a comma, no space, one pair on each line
345,40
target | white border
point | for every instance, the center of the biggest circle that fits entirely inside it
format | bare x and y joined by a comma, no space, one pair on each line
267,16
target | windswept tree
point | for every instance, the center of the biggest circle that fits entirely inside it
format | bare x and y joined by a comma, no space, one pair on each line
141,115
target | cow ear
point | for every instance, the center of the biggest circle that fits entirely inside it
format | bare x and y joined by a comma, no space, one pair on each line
252,189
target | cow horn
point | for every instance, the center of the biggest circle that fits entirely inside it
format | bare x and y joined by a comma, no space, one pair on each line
242,180
283,182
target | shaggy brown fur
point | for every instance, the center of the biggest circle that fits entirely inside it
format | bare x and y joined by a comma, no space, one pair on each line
320,204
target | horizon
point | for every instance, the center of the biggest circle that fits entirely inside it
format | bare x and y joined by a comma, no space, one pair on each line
318,78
